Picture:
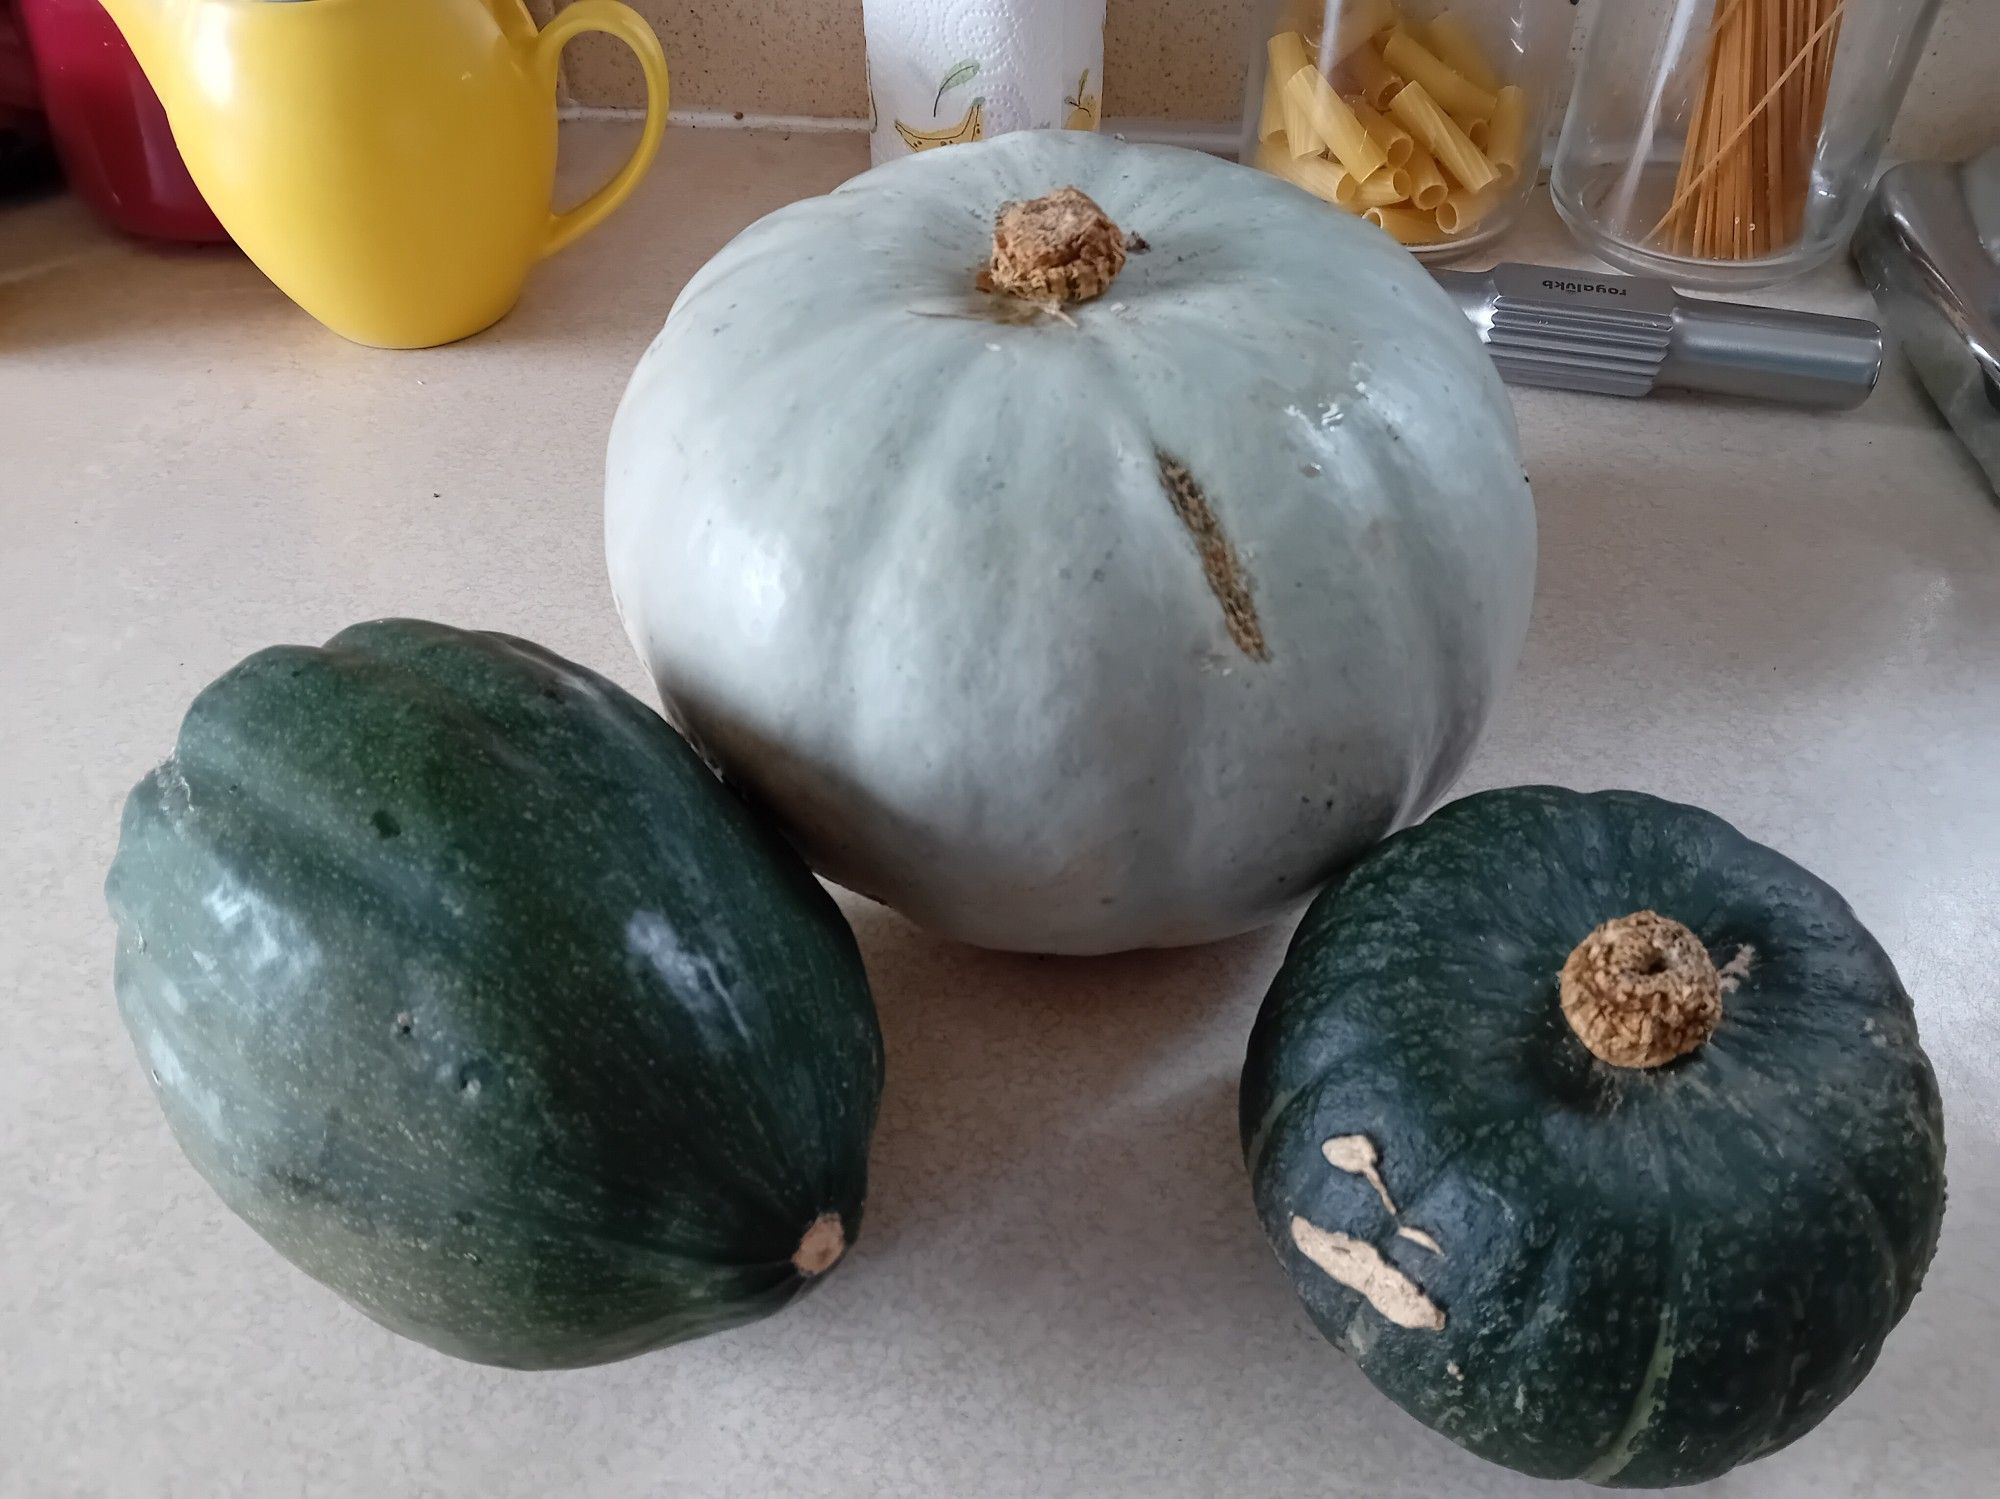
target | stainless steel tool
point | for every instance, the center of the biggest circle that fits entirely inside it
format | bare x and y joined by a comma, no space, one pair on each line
1929,248
1629,336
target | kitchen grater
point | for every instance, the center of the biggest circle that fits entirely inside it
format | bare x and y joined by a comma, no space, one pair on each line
1631,335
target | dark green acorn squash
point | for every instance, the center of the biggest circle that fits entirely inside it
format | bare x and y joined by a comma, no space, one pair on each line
1598,1134
466,984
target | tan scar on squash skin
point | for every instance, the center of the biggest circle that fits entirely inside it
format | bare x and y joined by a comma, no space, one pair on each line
1220,563
1356,1155
1360,1267
824,1242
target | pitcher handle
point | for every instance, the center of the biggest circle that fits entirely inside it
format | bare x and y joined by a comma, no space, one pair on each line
630,28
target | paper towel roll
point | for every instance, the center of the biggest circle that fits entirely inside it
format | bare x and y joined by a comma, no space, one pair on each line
941,72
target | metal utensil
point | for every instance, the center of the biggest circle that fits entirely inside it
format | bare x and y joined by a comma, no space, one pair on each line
1926,247
1630,335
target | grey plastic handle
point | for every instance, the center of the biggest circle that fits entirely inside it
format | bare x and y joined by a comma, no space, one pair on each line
1630,336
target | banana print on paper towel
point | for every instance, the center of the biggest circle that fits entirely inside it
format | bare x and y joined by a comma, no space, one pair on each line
971,128
1083,107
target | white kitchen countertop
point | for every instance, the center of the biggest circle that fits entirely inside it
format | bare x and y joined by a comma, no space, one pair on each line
1061,1288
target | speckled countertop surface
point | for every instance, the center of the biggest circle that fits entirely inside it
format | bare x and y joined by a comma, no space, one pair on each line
1061,1289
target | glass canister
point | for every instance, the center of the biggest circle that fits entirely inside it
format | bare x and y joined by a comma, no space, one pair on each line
1425,116
1732,143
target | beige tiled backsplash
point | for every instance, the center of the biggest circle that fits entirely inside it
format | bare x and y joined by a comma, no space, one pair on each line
1163,59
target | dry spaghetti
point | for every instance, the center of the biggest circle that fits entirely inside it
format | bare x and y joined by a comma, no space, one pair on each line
1746,170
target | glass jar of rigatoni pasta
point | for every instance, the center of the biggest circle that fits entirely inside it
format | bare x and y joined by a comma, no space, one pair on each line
1426,117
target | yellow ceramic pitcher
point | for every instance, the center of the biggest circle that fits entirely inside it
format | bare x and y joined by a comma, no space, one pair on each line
387,162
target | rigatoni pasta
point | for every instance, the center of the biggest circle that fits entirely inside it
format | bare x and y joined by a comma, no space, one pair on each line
1367,76
1505,132
1406,122
1452,40
1461,161
1360,21
1297,133
1385,189
1336,126
1392,138
1462,209
1317,175
1285,58
1286,53
1406,225
1427,184
1456,96
1275,155
1272,119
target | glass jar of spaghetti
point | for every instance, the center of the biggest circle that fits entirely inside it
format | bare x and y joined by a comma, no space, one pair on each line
1426,117
1732,143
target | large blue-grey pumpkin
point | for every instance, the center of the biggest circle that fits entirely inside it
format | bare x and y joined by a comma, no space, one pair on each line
1107,577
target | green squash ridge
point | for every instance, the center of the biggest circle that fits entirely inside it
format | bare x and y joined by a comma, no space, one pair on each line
1405,1206
1840,1169
1253,1150
1838,1165
492,1208
1275,1116
1624,1447
1781,1430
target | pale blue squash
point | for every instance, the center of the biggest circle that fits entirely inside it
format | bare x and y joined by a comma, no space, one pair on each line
921,567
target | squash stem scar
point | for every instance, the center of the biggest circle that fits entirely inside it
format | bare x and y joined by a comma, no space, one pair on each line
824,1242
1057,248
1220,565
1641,991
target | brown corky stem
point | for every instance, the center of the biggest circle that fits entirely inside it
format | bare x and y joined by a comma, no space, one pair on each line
823,1245
1059,248
1641,990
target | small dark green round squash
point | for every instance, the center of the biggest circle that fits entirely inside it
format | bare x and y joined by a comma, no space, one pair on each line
466,985
1599,1135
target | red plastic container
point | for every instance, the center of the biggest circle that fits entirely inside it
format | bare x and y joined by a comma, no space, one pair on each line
27,160
109,128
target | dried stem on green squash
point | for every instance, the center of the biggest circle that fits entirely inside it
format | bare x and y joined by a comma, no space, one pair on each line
1641,991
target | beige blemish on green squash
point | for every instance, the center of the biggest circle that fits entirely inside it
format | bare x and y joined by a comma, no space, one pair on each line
825,1241
1356,1155
1360,1267
1737,969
